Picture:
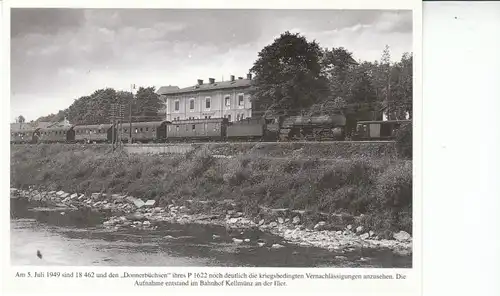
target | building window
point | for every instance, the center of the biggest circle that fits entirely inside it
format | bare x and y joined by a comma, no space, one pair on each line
191,104
176,105
193,127
240,100
207,103
147,129
229,117
238,117
227,101
177,128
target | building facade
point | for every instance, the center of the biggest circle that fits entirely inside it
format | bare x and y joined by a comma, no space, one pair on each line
221,99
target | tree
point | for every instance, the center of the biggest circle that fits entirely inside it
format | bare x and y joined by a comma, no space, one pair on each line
288,76
147,104
21,119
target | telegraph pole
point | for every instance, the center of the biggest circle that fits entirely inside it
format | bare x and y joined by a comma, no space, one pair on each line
132,87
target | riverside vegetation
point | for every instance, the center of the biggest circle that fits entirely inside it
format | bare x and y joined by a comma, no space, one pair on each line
363,200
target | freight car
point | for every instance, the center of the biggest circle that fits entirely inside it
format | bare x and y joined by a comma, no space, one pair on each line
377,129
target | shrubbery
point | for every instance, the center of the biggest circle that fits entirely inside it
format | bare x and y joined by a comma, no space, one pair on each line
404,141
381,189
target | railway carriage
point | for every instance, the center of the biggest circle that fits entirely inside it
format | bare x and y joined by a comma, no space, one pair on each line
24,136
97,133
56,135
143,132
197,129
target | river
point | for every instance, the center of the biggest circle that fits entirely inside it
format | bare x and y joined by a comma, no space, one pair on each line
77,238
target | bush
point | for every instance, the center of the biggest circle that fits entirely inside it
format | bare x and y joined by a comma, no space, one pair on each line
404,141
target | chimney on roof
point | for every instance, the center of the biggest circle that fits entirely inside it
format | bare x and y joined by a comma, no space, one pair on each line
249,76
240,78
212,80
232,77
200,81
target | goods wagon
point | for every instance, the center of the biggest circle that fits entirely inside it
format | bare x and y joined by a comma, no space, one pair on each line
378,130
97,133
197,129
57,135
246,129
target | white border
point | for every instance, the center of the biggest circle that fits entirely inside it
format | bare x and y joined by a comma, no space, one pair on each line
411,286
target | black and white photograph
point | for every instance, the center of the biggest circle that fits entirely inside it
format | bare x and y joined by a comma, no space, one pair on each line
211,137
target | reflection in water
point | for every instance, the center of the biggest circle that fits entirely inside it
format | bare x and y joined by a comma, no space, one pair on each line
76,238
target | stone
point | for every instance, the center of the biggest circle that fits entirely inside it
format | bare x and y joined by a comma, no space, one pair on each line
63,213
280,220
277,246
339,232
320,225
364,236
402,236
59,193
233,220
238,214
359,229
273,224
138,203
371,233
215,236
237,240
349,227
296,220
81,197
73,196
64,195
261,244
146,223
247,240
150,203
261,222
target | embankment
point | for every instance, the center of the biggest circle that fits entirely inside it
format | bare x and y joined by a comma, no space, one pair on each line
374,193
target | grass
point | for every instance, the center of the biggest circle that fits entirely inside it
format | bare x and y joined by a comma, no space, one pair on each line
377,189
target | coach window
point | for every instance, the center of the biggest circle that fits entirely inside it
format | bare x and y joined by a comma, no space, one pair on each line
147,129
125,130
191,104
207,103
193,127
136,131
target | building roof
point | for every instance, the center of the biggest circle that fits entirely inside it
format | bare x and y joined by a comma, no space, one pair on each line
237,83
167,89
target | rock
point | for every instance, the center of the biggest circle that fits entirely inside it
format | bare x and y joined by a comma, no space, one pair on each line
59,193
277,246
402,236
349,227
339,232
63,213
233,220
215,236
287,220
64,195
238,214
138,203
273,224
320,225
136,217
364,236
66,199
247,240
158,210
146,223
341,257
296,220
95,195
371,233
237,240
280,220
261,244
261,222
359,229
150,203
81,197
231,212
73,196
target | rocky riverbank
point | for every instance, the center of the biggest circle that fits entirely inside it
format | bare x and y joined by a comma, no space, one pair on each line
335,232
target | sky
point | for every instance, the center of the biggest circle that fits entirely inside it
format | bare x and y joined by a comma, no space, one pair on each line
59,55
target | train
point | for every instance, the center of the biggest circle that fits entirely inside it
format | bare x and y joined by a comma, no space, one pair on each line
279,128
